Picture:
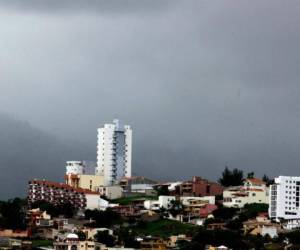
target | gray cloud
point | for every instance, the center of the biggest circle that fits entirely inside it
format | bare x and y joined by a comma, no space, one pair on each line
96,6
204,84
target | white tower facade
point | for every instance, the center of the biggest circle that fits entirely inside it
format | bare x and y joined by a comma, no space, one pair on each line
284,200
114,152
74,167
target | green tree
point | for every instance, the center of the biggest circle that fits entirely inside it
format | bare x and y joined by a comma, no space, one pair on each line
250,175
162,190
175,208
186,245
231,177
81,235
13,214
46,206
212,220
225,213
105,218
293,236
105,238
267,180
252,210
127,238
66,208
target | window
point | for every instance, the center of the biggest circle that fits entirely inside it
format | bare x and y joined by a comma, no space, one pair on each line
208,189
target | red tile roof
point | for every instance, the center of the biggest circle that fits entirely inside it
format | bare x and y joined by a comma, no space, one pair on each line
207,210
63,186
255,180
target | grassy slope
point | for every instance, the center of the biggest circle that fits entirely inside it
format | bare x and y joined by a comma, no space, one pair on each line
42,243
164,228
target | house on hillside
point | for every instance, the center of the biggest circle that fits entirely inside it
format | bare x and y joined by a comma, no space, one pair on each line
253,190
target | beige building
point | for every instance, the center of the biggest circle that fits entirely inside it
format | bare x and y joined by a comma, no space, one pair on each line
261,225
85,181
72,242
253,191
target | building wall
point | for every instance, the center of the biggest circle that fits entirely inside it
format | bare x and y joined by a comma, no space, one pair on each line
128,151
205,199
103,204
271,231
284,198
111,192
231,200
200,187
91,232
114,149
205,188
152,204
165,200
86,245
57,193
91,181
92,201
84,181
12,233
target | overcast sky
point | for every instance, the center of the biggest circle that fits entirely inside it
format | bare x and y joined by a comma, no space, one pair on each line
204,84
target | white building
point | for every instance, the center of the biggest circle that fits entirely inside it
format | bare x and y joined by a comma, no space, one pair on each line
165,201
74,167
284,200
114,149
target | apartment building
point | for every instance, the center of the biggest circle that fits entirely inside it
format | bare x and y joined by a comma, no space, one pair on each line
114,149
200,187
57,193
284,200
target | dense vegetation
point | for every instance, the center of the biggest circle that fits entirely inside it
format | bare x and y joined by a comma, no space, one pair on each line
163,228
231,177
105,218
66,209
13,214
105,238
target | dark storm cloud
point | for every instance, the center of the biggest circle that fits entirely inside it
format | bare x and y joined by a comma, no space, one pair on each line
71,6
204,84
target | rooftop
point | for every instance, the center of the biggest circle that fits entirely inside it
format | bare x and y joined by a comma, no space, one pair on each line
62,186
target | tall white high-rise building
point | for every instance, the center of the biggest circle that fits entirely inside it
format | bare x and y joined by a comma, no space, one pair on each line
114,151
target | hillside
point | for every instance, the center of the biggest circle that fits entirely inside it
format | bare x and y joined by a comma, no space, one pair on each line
27,152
